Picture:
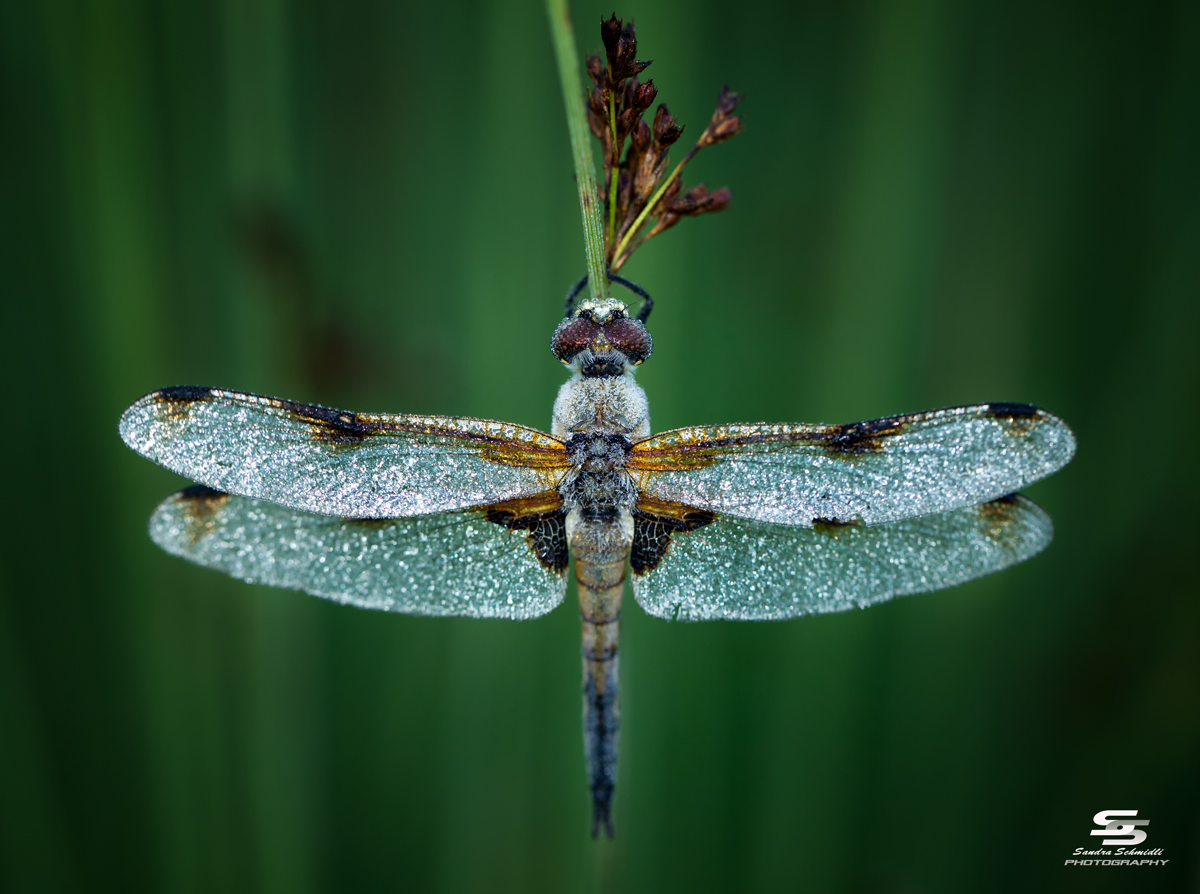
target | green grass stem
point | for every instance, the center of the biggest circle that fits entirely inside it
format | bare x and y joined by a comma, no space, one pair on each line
563,36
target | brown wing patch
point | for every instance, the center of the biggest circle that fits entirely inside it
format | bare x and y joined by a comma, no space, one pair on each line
654,521
833,527
999,517
198,507
176,402
373,524
543,518
688,449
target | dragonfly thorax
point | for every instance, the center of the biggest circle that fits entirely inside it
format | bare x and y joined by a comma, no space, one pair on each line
598,453
599,486
600,418
601,405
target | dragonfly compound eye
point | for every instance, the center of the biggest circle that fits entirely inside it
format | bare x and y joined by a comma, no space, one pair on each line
631,338
572,336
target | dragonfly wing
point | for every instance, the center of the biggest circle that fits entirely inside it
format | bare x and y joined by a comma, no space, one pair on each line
874,472
696,566
337,463
508,560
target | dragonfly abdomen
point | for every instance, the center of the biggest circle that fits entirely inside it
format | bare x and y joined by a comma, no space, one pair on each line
600,588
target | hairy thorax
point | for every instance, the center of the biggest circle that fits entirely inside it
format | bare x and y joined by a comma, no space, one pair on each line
600,418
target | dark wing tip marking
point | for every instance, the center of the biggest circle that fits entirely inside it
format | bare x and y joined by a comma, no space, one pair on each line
653,525
200,492
182,394
1006,500
172,403
833,525
1013,410
545,524
1017,420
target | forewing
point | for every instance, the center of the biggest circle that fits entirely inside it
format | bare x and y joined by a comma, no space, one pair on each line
875,472
337,463
503,561
736,569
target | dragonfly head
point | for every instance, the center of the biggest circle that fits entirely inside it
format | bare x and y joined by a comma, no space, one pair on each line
601,340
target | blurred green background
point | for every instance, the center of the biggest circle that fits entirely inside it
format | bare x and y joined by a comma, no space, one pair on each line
370,205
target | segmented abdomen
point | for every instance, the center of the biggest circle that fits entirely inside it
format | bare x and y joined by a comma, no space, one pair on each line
600,589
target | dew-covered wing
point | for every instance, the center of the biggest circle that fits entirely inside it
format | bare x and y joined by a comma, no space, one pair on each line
338,463
875,472
695,566
503,561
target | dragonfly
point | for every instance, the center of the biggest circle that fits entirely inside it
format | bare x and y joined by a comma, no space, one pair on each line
444,515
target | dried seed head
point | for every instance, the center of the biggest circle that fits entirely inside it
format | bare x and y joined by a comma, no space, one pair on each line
727,101
610,33
723,124
597,108
666,129
595,69
620,45
642,96
634,189
698,200
641,138
597,125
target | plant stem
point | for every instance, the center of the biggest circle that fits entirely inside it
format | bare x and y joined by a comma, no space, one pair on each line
563,36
